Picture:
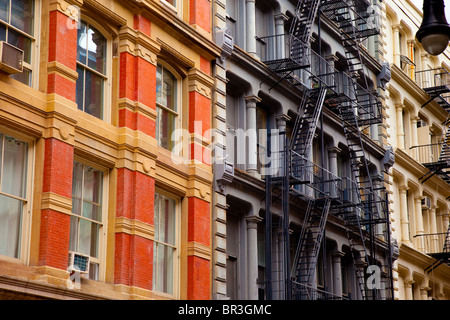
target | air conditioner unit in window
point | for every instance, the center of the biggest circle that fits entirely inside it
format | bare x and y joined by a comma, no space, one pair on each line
11,58
426,203
79,262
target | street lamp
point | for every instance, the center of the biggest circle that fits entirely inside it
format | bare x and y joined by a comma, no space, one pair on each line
434,33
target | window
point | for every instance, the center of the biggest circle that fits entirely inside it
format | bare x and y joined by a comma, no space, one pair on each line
86,221
91,68
17,28
13,195
166,107
165,244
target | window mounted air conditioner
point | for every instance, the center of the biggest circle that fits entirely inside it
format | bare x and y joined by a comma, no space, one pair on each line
426,203
11,58
79,262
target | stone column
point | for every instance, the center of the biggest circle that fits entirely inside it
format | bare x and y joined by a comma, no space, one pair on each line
419,223
424,293
414,139
400,129
395,34
252,148
332,154
251,27
404,220
408,289
252,257
433,229
337,272
280,19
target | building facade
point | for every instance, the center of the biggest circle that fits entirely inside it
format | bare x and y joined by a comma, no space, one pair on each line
96,200
299,206
417,108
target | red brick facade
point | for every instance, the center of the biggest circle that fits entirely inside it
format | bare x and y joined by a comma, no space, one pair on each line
123,146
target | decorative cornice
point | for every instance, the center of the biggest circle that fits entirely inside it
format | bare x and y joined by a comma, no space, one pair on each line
167,49
56,202
198,250
200,82
134,227
62,70
138,44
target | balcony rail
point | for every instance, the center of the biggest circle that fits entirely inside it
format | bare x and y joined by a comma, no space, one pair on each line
304,292
434,244
428,154
434,79
283,53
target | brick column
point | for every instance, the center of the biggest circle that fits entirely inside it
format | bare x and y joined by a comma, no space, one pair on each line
134,225
199,193
200,14
58,148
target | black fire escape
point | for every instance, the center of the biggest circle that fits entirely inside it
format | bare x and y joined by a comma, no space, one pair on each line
360,204
436,157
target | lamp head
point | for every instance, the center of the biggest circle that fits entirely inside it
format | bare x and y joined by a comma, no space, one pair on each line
434,32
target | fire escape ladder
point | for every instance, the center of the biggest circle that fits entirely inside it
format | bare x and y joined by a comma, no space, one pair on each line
306,122
305,14
310,239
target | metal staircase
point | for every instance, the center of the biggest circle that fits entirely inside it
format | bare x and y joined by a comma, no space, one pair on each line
357,107
310,240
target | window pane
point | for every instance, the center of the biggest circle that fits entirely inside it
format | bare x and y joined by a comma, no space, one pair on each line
22,15
88,240
165,125
93,95
14,167
10,226
76,206
2,32
20,42
77,179
172,2
92,185
158,84
4,10
80,88
73,242
168,208
93,271
96,50
92,211
24,76
82,43
163,268
168,267
169,90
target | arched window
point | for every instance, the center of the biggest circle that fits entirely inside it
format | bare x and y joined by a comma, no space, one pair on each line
91,68
167,100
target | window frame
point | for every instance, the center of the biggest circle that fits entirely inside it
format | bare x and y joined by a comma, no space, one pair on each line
176,257
178,105
107,77
33,65
101,259
25,232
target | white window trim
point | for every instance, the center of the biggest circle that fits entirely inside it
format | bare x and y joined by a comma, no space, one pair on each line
101,260
107,88
25,237
177,261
